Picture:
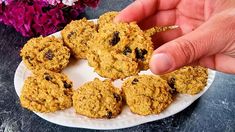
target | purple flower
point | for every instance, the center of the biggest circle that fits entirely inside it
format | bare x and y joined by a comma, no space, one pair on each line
1,12
40,17
7,2
76,9
48,22
51,2
1,8
19,15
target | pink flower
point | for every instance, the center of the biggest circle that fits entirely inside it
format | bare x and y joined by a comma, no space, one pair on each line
40,17
76,9
1,8
48,22
33,19
1,12
7,2
19,15
52,2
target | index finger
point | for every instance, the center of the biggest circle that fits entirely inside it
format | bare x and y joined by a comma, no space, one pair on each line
141,9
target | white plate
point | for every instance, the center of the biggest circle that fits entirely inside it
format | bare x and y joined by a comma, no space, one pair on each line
79,72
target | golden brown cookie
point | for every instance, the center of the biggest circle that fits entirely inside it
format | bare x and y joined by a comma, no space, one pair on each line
147,94
45,53
120,50
46,92
98,99
188,80
77,34
107,18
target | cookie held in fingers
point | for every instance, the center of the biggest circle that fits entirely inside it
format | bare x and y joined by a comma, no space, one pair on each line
106,18
98,99
45,53
46,92
120,50
147,94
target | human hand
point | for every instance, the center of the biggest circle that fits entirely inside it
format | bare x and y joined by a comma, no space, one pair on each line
206,36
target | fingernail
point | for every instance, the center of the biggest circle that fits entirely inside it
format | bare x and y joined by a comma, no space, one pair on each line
160,63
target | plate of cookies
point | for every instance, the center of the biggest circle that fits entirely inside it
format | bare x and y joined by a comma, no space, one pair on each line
94,74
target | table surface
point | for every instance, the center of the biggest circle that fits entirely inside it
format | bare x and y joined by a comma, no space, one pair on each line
213,112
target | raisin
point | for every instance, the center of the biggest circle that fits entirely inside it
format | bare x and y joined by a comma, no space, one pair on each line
171,83
144,51
115,38
47,77
127,50
109,115
135,81
27,57
49,55
70,34
66,85
117,97
139,53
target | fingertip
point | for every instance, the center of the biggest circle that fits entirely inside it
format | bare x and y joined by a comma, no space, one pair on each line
117,19
152,66
122,17
161,63
137,11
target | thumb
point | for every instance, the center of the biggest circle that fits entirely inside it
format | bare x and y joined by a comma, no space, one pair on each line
206,40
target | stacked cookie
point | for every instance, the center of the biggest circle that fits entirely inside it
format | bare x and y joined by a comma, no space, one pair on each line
46,90
115,51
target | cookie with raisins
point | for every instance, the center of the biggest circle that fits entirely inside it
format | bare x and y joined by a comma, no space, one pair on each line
47,91
76,35
147,94
188,79
120,50
45,53
106,18
98,99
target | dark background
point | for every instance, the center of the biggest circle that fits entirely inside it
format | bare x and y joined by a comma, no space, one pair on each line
213,112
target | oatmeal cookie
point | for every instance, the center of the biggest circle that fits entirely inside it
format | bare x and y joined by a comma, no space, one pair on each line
46,92
106,18
98,99
120,50
77,34
45,53
188,80
147,94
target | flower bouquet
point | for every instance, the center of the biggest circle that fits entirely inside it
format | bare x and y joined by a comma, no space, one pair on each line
41,17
